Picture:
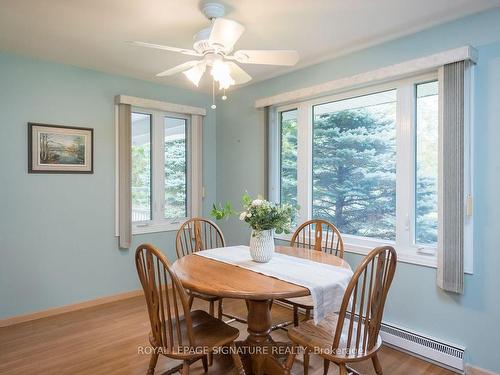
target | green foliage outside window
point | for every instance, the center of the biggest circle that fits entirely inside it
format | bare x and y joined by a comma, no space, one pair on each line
175,179
141,177
354,171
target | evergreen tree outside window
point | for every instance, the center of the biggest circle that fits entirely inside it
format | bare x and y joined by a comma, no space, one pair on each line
426,165
354,164
161,170
288,164
175,168
365,160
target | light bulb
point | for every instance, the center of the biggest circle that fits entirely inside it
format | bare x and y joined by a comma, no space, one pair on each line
213,106
224,97
221,73
194,74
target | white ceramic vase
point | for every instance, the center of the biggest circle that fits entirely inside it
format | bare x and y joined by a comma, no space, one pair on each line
262,245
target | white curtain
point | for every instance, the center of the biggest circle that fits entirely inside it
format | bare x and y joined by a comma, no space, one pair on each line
450,273
124,176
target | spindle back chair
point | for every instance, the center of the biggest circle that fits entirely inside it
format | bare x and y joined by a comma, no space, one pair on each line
364,300
319,235
198,234
355,329
166,299
172,321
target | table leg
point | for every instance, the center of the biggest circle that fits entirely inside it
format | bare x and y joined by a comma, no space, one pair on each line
259,328
259,351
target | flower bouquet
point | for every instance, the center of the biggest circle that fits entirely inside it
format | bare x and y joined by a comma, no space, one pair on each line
265,218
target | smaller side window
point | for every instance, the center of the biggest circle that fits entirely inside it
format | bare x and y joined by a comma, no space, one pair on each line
426,164
176,168
141,167
288,156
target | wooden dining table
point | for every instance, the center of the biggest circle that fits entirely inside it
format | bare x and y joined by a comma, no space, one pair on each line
213,277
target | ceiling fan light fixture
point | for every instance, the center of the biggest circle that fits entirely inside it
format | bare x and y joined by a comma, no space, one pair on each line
195,73
221,73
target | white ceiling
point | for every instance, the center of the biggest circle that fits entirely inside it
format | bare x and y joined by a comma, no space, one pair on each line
92,33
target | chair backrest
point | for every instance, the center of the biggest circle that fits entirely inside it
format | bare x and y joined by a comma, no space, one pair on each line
319,235
363,303
198,234
166,299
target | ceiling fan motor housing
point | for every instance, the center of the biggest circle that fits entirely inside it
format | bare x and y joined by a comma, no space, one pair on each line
201,42
213,10
203,45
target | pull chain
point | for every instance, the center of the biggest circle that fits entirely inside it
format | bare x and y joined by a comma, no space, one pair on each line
213,95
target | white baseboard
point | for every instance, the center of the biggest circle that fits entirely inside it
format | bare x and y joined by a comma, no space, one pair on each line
67,308
471,370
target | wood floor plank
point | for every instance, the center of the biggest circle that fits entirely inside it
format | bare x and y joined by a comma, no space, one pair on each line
105,340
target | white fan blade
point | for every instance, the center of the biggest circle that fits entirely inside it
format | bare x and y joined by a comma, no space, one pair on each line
166,48
238,74
266,57
178,68
225,33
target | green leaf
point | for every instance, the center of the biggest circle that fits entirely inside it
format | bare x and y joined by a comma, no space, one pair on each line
246,199
220,211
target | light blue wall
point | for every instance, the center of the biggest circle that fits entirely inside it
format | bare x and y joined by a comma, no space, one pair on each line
415,302
57,243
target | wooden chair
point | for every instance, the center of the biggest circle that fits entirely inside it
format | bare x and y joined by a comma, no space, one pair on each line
194,235
176,331
319,235
352,334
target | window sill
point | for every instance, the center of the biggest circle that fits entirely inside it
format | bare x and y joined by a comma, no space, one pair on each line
155,228
361,246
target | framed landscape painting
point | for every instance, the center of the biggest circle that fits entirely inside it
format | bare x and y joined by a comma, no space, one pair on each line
60,149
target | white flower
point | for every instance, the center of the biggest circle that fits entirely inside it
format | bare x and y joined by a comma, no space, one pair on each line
243,215
257,202
249,214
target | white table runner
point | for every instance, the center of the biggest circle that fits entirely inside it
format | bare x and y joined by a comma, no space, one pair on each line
326,282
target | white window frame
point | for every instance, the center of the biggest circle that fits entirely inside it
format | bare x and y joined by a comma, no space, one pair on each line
193,174
408,250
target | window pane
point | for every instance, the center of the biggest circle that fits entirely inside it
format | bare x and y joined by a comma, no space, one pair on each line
426,197
141,167
175,168
288,161
354,164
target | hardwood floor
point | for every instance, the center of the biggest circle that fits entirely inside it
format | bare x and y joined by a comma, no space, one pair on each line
107,339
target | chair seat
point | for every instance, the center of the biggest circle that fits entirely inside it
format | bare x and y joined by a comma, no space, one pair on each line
205,297
319,338
208,331
305,302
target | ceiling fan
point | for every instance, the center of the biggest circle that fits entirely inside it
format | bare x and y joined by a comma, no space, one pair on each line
214,45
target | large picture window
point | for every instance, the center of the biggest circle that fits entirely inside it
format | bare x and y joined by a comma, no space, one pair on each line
367,161
354,164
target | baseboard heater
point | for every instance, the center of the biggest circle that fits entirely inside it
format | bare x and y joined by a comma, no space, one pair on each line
441,353
430,349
